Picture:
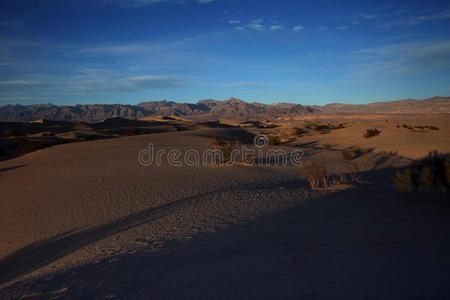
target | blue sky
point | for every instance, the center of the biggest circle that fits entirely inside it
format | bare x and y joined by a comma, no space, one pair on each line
308,52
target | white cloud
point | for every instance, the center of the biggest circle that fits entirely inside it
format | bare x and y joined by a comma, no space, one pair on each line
414,20
239,28
234,21
406,58
257,27
298,28
321,28
276,27
342,27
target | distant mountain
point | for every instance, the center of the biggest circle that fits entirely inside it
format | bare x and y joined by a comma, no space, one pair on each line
433,105
214,109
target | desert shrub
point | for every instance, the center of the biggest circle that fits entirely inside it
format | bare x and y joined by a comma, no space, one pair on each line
327,146
300,131
315,174
51,132
371,133
432,127
218,142
24,146
428,175
346,155
227,150
274,140
14,133
390,153
407,126
321,128
347,176
225,147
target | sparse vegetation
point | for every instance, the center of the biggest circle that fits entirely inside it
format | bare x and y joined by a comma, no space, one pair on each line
300,131
346,155
327,146
430,175
14,133
225,147
51,132
390,153
317,175
371,133
274,140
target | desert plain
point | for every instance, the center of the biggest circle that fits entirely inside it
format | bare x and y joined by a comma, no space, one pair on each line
83,218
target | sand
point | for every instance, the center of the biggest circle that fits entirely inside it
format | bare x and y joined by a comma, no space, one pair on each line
85,220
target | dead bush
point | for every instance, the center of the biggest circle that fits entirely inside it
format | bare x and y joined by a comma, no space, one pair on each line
430,175
315,174
327,146
274,140
371,133
346,155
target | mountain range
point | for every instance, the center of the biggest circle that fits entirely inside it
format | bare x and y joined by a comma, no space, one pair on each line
214,109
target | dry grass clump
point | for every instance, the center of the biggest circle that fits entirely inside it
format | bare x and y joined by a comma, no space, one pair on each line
354,152
428,176
346,155
51,132
317,175
300,131
224,146
14,133
327,146
390,153
274,140
371,133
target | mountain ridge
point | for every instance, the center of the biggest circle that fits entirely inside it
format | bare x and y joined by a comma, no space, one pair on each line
210,109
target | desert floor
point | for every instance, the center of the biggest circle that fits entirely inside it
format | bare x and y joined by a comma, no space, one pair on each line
86,220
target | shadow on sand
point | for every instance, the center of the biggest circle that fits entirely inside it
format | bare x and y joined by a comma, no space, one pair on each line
360,233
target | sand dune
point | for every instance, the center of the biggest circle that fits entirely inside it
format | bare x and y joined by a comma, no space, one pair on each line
87,220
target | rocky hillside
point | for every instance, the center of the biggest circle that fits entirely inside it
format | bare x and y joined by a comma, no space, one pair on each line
214,109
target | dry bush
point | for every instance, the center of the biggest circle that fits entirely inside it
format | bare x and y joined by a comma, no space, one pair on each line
51,132
218,142
300,131
225,147
347,176
274,140
14,133
407,126
346,155
390,153
371,133
315,174
432,127
430,175
327,146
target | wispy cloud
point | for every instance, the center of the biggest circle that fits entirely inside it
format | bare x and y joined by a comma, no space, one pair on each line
321,28
254,26
405,58
276,27
342,27
234,21
415,20
140,3
129,84
298,28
